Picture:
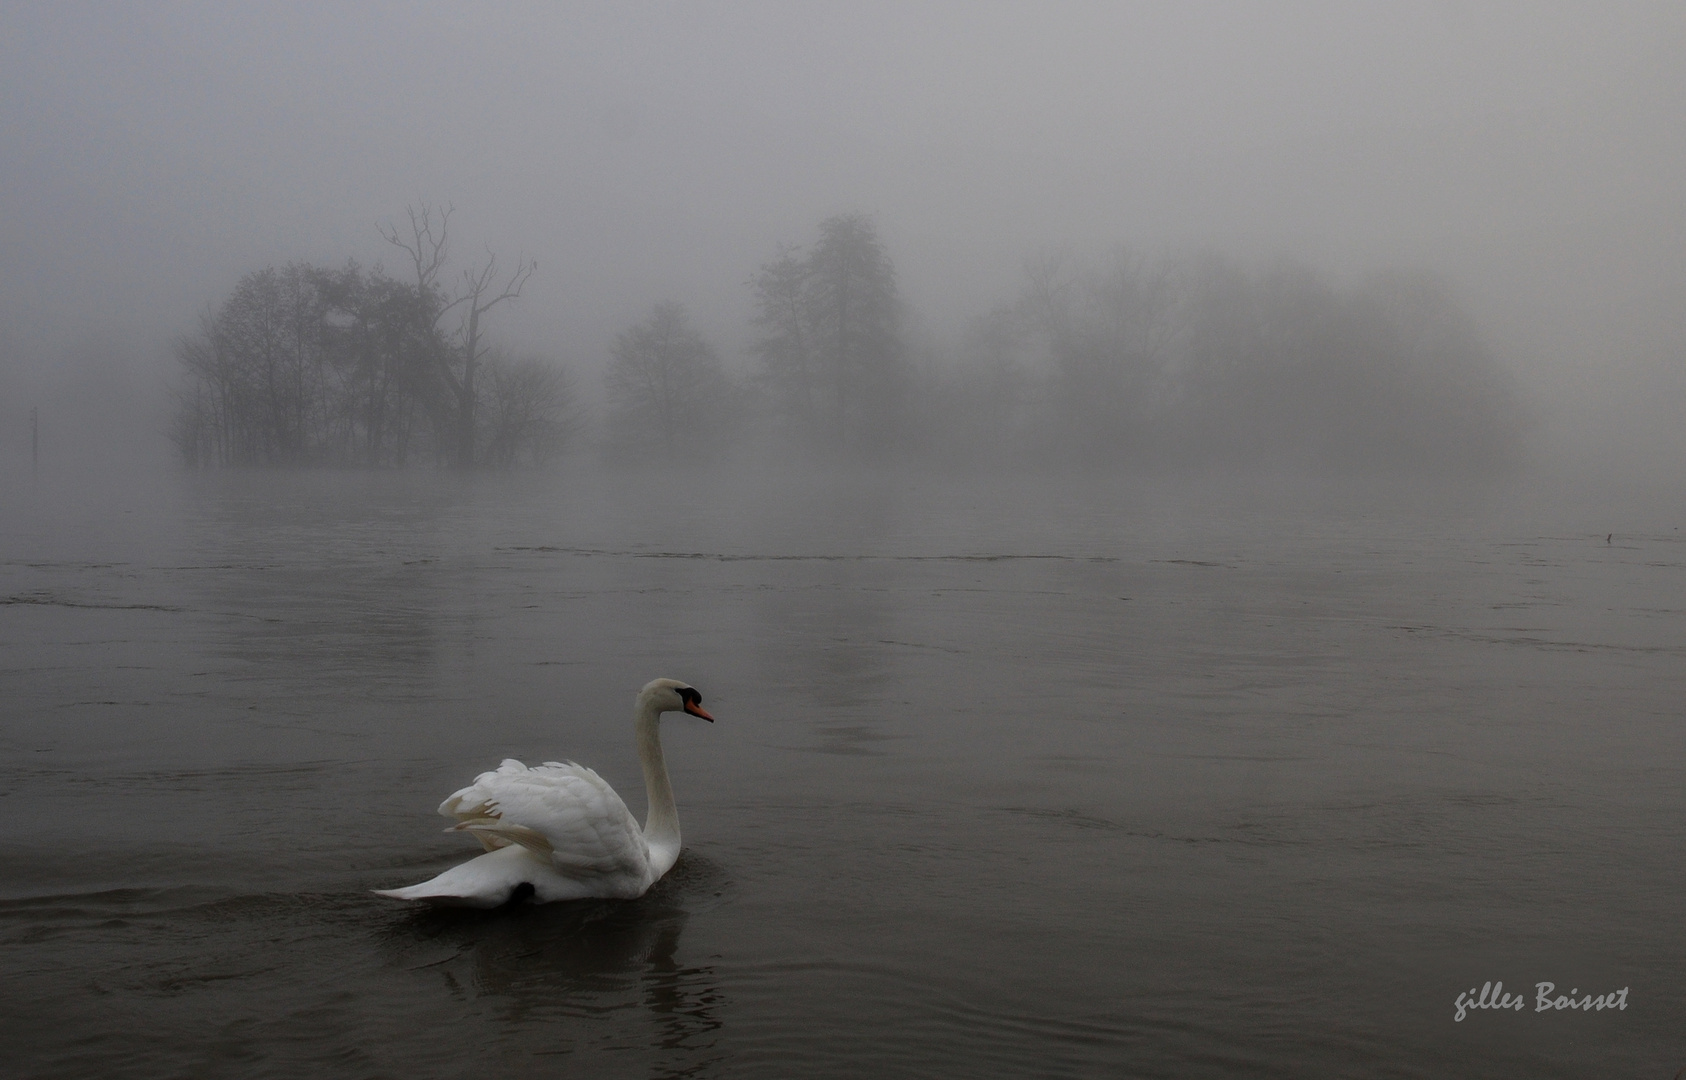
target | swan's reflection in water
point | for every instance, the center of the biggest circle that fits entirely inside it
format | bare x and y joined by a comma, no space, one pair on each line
585,978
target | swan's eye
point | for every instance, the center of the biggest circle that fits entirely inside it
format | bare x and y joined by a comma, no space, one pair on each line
689,696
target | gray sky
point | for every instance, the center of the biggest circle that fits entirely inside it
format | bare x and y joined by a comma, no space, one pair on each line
152,153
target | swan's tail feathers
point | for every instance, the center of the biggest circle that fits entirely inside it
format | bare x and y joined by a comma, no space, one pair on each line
486,881
454,889
421,892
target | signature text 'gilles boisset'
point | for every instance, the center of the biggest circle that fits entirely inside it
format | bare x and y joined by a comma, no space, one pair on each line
1492,996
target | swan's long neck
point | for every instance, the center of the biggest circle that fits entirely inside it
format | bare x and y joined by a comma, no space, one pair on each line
661,825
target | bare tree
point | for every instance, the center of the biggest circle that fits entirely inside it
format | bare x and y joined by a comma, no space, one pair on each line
483,290
663,377
200,428
532,410
427,244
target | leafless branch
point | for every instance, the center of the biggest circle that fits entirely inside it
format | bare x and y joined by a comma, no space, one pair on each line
426,250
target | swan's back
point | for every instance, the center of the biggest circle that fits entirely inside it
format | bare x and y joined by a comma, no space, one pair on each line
564,814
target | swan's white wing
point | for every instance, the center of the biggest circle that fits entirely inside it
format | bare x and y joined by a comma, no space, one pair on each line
564,813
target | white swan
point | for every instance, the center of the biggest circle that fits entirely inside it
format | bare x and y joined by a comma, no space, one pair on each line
560,830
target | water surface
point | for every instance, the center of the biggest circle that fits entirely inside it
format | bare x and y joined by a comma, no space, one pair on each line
1011,777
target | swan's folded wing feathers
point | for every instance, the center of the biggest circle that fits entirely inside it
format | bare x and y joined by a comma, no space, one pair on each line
480,798
589,827
495,833
586,825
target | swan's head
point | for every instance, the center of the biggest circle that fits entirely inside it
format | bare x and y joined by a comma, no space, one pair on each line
671,695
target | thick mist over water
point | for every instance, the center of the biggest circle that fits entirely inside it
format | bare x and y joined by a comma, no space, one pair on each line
1523,158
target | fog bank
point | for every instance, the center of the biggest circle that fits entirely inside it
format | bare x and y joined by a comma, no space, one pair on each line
1526,155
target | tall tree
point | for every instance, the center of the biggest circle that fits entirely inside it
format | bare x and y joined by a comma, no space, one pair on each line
851,288
427,244
665,383
831,350
381,333
483,290
786,346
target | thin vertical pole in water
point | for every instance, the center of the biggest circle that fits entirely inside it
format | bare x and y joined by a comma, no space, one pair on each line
34,439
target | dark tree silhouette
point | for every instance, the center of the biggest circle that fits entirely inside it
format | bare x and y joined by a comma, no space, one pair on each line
530,410
785,349
665,384
831,350
312,366
426,242
1107,333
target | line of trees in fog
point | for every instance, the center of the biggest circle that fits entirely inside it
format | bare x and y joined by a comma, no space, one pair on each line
311,365
1203,361
1133,362
1167,361
831,371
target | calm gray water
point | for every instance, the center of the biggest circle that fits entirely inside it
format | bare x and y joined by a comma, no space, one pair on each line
1016,778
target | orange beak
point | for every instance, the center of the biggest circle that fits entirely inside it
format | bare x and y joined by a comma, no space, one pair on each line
698,710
